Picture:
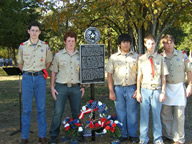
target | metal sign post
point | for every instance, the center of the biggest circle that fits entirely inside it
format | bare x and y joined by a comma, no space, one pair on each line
92,62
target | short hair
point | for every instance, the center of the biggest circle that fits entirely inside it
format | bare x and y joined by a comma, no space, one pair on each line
70,34
167,37
149,37
124,37
37,24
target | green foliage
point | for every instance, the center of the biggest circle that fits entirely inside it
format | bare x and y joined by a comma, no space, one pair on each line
182,35
136,17
15,17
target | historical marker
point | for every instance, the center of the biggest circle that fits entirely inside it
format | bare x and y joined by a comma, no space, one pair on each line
92,63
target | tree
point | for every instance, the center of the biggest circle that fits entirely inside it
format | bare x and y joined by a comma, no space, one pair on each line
15,17
136,17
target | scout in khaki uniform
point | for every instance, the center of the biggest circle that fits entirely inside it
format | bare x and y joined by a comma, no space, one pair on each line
34,56
151,90
173,110
65,72
121,76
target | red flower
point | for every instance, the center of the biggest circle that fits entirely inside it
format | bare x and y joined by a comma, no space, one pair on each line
103,119
71,119
107,127
78,124
113,125
108,122
67,128
95,109
90,101
91,125
97,125
112,129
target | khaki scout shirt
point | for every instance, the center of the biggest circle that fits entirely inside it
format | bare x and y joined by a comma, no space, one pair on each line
123,67
178,64
34,58
67,67
145,70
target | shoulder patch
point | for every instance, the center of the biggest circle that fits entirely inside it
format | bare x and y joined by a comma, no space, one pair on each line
22,43
183,52
140,55
46,43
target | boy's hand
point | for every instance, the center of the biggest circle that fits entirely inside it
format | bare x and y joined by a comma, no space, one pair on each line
135,94
112,96
162,97
188,91
139,97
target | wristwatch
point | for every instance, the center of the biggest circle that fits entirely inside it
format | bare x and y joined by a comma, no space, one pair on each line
82,86
163,92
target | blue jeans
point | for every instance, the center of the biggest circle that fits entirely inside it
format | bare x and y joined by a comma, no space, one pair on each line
74,95
33,85
150,98
127,110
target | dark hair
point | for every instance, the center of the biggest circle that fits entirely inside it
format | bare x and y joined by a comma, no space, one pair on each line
124,37
70,34
34,24
167,37
149,37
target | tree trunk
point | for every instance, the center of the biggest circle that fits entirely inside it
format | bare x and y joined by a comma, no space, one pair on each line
140,41
109,48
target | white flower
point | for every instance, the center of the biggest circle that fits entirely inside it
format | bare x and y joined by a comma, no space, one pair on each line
66,125
80,129
116,121
84,108
109,116
99,122
104,131
64,122
100,115
99,103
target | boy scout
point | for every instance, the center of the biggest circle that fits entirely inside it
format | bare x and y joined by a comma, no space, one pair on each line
65,71
173,110
121,76
151,90
34,55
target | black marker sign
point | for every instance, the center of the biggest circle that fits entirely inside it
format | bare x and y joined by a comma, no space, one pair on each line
92,63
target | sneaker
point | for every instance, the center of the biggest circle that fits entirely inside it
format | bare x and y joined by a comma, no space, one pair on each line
134,140
142,142
159,142
178,143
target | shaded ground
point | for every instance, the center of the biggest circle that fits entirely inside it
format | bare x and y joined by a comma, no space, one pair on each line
9,113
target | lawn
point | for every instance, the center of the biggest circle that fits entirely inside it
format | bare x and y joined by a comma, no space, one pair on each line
9,111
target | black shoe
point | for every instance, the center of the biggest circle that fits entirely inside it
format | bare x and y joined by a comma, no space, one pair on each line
166,139
122,139
134,140
43,140
23,141
53,140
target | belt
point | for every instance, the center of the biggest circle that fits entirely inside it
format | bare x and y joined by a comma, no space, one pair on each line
151,88
33,73
70,85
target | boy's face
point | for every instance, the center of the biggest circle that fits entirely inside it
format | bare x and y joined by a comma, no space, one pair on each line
150,45
34,32
70,43
125,46
168,45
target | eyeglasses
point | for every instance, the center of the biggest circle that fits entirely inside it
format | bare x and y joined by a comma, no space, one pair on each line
34,31
168,42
